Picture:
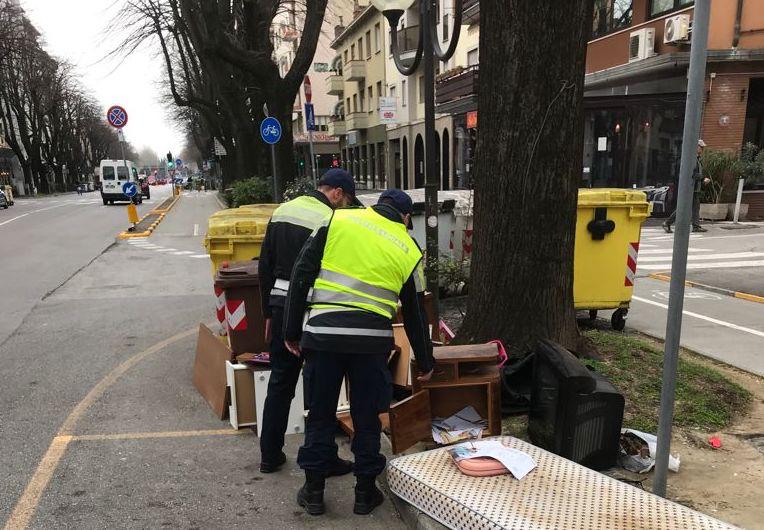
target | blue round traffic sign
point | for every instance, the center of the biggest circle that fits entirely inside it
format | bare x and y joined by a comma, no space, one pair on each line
270,130
117,116
130,189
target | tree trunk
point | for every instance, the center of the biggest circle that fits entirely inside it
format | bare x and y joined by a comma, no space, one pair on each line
528,166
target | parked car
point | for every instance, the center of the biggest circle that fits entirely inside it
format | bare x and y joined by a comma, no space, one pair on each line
3,200
145,190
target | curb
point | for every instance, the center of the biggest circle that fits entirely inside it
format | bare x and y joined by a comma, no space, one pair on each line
161,212
718,290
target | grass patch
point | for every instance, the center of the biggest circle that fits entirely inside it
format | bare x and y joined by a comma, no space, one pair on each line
706,399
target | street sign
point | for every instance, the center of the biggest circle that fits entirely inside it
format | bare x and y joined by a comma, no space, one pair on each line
310,117
307,89
388,110
130,189
117,116
270,130
219,148
178,163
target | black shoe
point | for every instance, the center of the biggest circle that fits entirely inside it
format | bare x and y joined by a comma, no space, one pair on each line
272,467
667,227
340,467
699,228
311,495
367,495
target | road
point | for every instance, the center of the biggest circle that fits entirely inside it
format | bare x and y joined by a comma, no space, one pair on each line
99,421
722,327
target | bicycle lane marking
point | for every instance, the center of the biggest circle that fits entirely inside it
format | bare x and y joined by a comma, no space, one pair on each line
27,504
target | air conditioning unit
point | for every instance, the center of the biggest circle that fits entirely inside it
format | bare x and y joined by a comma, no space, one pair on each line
641,44
677,29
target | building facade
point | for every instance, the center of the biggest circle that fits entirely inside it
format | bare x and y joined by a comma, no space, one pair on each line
636,87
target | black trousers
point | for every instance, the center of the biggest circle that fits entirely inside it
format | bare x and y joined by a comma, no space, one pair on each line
695,211
370,393
285,371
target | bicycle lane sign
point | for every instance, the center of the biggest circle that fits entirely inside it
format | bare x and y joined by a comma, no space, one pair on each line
270,130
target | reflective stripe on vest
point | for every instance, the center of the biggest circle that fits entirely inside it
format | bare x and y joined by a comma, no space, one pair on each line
349,331
367,259
305,211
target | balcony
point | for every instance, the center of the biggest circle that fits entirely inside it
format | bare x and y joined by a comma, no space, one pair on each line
471,12
357,120
408,41
335,84
457,85
354,70
337,126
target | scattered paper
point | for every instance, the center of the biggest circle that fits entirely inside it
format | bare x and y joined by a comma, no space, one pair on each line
643,463
464,425
517,462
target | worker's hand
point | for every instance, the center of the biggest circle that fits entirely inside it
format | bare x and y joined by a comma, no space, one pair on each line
294,347
425,377
267,330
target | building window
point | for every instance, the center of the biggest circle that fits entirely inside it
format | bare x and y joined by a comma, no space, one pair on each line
473,57
379,92
421,89
320,67
346,56
661,7
404,93
348,107
446,29
355,102
361,98
352,52
610,15
368,44
371,99
360,48
377,37
391,90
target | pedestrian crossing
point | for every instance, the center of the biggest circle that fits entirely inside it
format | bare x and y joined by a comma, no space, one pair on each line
144,244
655,254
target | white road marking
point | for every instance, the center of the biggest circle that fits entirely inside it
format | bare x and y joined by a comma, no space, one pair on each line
704,317
196,230
166,249
199,256
670,250
731,237
645,245
182,253
695,295
730,255
14,218
33,211
714,265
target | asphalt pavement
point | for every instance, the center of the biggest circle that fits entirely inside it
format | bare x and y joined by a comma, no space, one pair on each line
722,327
99,421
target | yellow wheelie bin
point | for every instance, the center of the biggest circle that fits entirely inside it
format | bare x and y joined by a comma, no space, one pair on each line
608,229
236,234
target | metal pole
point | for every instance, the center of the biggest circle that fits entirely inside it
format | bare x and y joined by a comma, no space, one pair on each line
313,168
276,197
431,174
739,199
692,117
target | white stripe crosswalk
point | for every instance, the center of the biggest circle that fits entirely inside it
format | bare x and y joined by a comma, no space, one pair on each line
145,245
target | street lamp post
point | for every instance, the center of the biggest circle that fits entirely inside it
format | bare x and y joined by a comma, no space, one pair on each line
428,48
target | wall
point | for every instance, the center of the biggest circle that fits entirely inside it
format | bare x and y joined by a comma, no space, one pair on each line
723,21
727,96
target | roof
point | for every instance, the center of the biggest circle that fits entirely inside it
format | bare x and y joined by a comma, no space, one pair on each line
350,28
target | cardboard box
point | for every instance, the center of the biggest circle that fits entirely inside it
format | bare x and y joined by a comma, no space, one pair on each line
210,372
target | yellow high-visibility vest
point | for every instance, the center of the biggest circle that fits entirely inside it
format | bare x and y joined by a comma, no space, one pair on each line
367,259
305,211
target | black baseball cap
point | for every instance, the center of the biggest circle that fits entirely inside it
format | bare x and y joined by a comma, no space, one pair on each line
339,178
400,200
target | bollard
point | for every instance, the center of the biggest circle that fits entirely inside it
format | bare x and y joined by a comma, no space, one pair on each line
132,214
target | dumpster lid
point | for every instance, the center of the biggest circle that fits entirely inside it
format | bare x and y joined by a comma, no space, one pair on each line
610,197
238,274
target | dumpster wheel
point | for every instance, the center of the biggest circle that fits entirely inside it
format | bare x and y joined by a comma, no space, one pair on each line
618,320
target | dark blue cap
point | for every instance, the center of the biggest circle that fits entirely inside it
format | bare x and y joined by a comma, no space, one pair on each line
339,178
400,200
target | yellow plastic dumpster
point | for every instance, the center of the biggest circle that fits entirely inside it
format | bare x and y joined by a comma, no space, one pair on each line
236,234
607,243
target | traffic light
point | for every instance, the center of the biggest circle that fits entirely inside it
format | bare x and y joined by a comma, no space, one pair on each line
169,158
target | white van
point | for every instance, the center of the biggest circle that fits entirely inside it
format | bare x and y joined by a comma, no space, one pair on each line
115,173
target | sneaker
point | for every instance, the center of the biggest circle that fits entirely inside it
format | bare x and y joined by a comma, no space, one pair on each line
272,467
667,227
699,229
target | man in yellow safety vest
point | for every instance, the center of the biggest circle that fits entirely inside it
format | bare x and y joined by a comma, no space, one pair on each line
359,267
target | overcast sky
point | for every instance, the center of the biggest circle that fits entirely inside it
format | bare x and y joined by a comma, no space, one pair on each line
76,30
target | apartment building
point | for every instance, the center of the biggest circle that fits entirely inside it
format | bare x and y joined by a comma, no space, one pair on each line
359,81
636,86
